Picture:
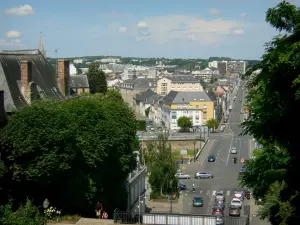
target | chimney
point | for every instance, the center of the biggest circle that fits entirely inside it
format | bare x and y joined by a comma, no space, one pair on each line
3,116
26,80
63,70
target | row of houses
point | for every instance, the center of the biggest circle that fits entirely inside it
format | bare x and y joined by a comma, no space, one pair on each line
26,75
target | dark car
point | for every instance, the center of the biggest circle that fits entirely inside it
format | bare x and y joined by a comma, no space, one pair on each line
218,211
219,204
220,220
211,158
197,202
234,211
182,186
243,171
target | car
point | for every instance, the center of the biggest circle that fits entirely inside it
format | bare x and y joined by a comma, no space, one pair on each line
236,202
197,202
234,211
239,195
219,203
182,186
233,150
244,170
201,175
220,220
182,176
218,211
211,158
220,196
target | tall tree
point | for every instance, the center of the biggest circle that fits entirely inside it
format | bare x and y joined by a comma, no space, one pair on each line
274,102
162,166
212,124
184,122
97,79
64,151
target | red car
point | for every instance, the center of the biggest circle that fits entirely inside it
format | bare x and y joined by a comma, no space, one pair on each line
218,211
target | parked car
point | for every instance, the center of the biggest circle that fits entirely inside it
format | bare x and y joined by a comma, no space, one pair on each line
233,150
217,211
236,202
201,175
197,202
182,176
234,211
220,196
182,186
211,158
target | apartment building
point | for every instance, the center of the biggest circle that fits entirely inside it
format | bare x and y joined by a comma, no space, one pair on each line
237,67
207,74
195,105
181,83
139,71
220,65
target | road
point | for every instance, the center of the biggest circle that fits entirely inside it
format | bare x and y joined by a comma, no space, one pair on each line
224,170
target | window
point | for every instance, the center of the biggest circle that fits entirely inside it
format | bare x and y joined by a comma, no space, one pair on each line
197,106
185,112
178,106
164,84
184,106
197,117
174,115
204,115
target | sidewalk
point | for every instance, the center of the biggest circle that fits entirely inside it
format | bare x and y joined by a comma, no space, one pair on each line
88,221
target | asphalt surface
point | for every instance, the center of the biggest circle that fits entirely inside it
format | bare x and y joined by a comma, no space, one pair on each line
224,170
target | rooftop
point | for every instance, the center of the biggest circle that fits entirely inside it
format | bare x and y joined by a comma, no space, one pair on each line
182,78
148,96
175,97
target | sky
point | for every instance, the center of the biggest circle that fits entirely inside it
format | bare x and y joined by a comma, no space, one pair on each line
136,28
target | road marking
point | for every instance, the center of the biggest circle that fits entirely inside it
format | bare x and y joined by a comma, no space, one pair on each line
228,193
207,192
200,192
229,152
214,193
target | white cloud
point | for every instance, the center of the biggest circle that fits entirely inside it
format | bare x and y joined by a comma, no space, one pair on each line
238,31
22,10
11,43
215,12
243,14
142,24
191,37
13,34
122,29
161,29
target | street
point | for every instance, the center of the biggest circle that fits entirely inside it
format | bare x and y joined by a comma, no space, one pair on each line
224,170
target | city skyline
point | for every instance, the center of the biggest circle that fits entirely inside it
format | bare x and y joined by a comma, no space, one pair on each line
129,28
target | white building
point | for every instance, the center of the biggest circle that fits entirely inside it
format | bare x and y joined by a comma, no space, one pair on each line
73,70
109,60
139,71
78,61
213,64
206,74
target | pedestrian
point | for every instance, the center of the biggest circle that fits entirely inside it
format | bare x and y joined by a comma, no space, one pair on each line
98,209
193,187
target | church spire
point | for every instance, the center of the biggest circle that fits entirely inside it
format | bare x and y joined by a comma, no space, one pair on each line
41,45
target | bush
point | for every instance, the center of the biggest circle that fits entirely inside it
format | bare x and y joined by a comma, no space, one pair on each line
142,125
27,214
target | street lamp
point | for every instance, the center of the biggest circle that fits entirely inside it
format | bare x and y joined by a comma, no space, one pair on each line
45,206
140,201
171,186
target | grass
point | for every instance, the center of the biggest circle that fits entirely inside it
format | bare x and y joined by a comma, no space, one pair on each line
190,153
68,219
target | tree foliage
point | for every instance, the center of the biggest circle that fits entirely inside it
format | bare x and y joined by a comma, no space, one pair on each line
184,122
162,166
73,152
97,79
212,124
27,214
274,91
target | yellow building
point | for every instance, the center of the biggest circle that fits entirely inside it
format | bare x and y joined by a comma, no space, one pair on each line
184,83
195,105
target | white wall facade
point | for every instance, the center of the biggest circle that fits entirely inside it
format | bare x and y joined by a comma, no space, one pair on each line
195,115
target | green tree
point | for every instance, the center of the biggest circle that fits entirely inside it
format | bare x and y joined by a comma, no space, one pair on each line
212,124
161,166
274,100
27,214
184,122
97,79
73,152
147,111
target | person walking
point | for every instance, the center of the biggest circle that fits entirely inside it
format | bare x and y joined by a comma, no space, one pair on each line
98,209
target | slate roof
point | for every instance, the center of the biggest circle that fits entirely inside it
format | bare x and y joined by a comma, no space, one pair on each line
148,97
10,77
140,83
79,81
175,97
